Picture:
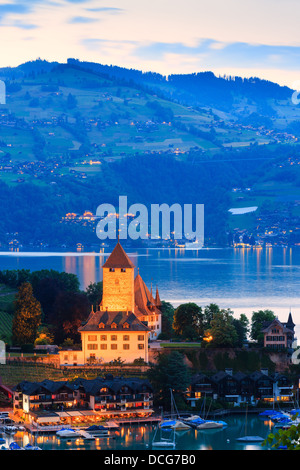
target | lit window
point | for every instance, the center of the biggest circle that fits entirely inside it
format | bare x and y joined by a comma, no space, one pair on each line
92,337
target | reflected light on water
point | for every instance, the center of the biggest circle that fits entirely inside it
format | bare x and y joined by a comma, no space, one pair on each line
243,279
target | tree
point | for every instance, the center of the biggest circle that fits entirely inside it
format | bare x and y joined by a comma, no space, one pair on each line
208,314
167,318
241,325
257,321
44,337
70,309
188,321
222,332
71,101
94,292
170,372
27,316
285,438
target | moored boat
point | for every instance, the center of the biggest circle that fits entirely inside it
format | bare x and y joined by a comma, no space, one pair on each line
67,432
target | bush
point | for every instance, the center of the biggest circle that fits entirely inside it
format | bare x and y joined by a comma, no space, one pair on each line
27,348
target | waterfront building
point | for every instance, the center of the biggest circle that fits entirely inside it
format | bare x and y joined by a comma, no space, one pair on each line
240,388
83,400
126,319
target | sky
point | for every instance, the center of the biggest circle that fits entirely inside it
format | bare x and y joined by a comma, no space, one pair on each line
233,37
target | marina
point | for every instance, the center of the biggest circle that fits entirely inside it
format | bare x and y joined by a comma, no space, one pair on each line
239,430
141,436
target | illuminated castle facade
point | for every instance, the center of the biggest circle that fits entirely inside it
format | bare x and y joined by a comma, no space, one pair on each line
127,317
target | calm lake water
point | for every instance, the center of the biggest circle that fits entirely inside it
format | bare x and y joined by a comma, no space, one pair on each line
137,437
244,280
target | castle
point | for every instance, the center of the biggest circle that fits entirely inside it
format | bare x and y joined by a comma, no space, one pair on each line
127,317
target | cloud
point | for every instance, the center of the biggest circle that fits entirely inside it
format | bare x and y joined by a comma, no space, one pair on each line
8,8
82,20
22,25
77,1
105,10
213,53
95,43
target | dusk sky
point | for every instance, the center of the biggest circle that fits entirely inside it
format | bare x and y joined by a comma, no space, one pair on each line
233,37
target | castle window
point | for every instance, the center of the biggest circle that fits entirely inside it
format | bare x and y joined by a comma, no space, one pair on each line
113,337
114,325
92,346
140,346
103,346
92,337
123,270
111,270
126,325
125,337
113,346
101,325
103,337
125,346
141,337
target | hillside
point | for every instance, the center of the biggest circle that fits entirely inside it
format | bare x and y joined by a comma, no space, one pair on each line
69,128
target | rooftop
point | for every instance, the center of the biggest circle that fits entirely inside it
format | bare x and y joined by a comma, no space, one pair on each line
118,259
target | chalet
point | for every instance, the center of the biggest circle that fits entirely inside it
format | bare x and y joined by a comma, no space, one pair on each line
278,335
201,386
239,388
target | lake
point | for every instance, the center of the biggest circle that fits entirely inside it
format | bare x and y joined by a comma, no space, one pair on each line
139,437
243,279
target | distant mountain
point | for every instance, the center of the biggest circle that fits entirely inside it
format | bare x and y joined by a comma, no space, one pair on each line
78,134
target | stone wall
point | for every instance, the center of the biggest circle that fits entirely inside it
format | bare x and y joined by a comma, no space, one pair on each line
219,359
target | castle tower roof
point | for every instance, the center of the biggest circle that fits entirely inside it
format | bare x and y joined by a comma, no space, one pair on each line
157,299
143,297
118,258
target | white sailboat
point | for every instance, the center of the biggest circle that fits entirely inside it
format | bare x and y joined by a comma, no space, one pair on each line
175,422
166,431
247,438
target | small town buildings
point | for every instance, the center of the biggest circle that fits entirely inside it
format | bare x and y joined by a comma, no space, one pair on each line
240,388
126,319
278,335
83,400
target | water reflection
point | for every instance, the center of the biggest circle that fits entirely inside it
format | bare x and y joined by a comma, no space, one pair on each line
243,279
139,437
